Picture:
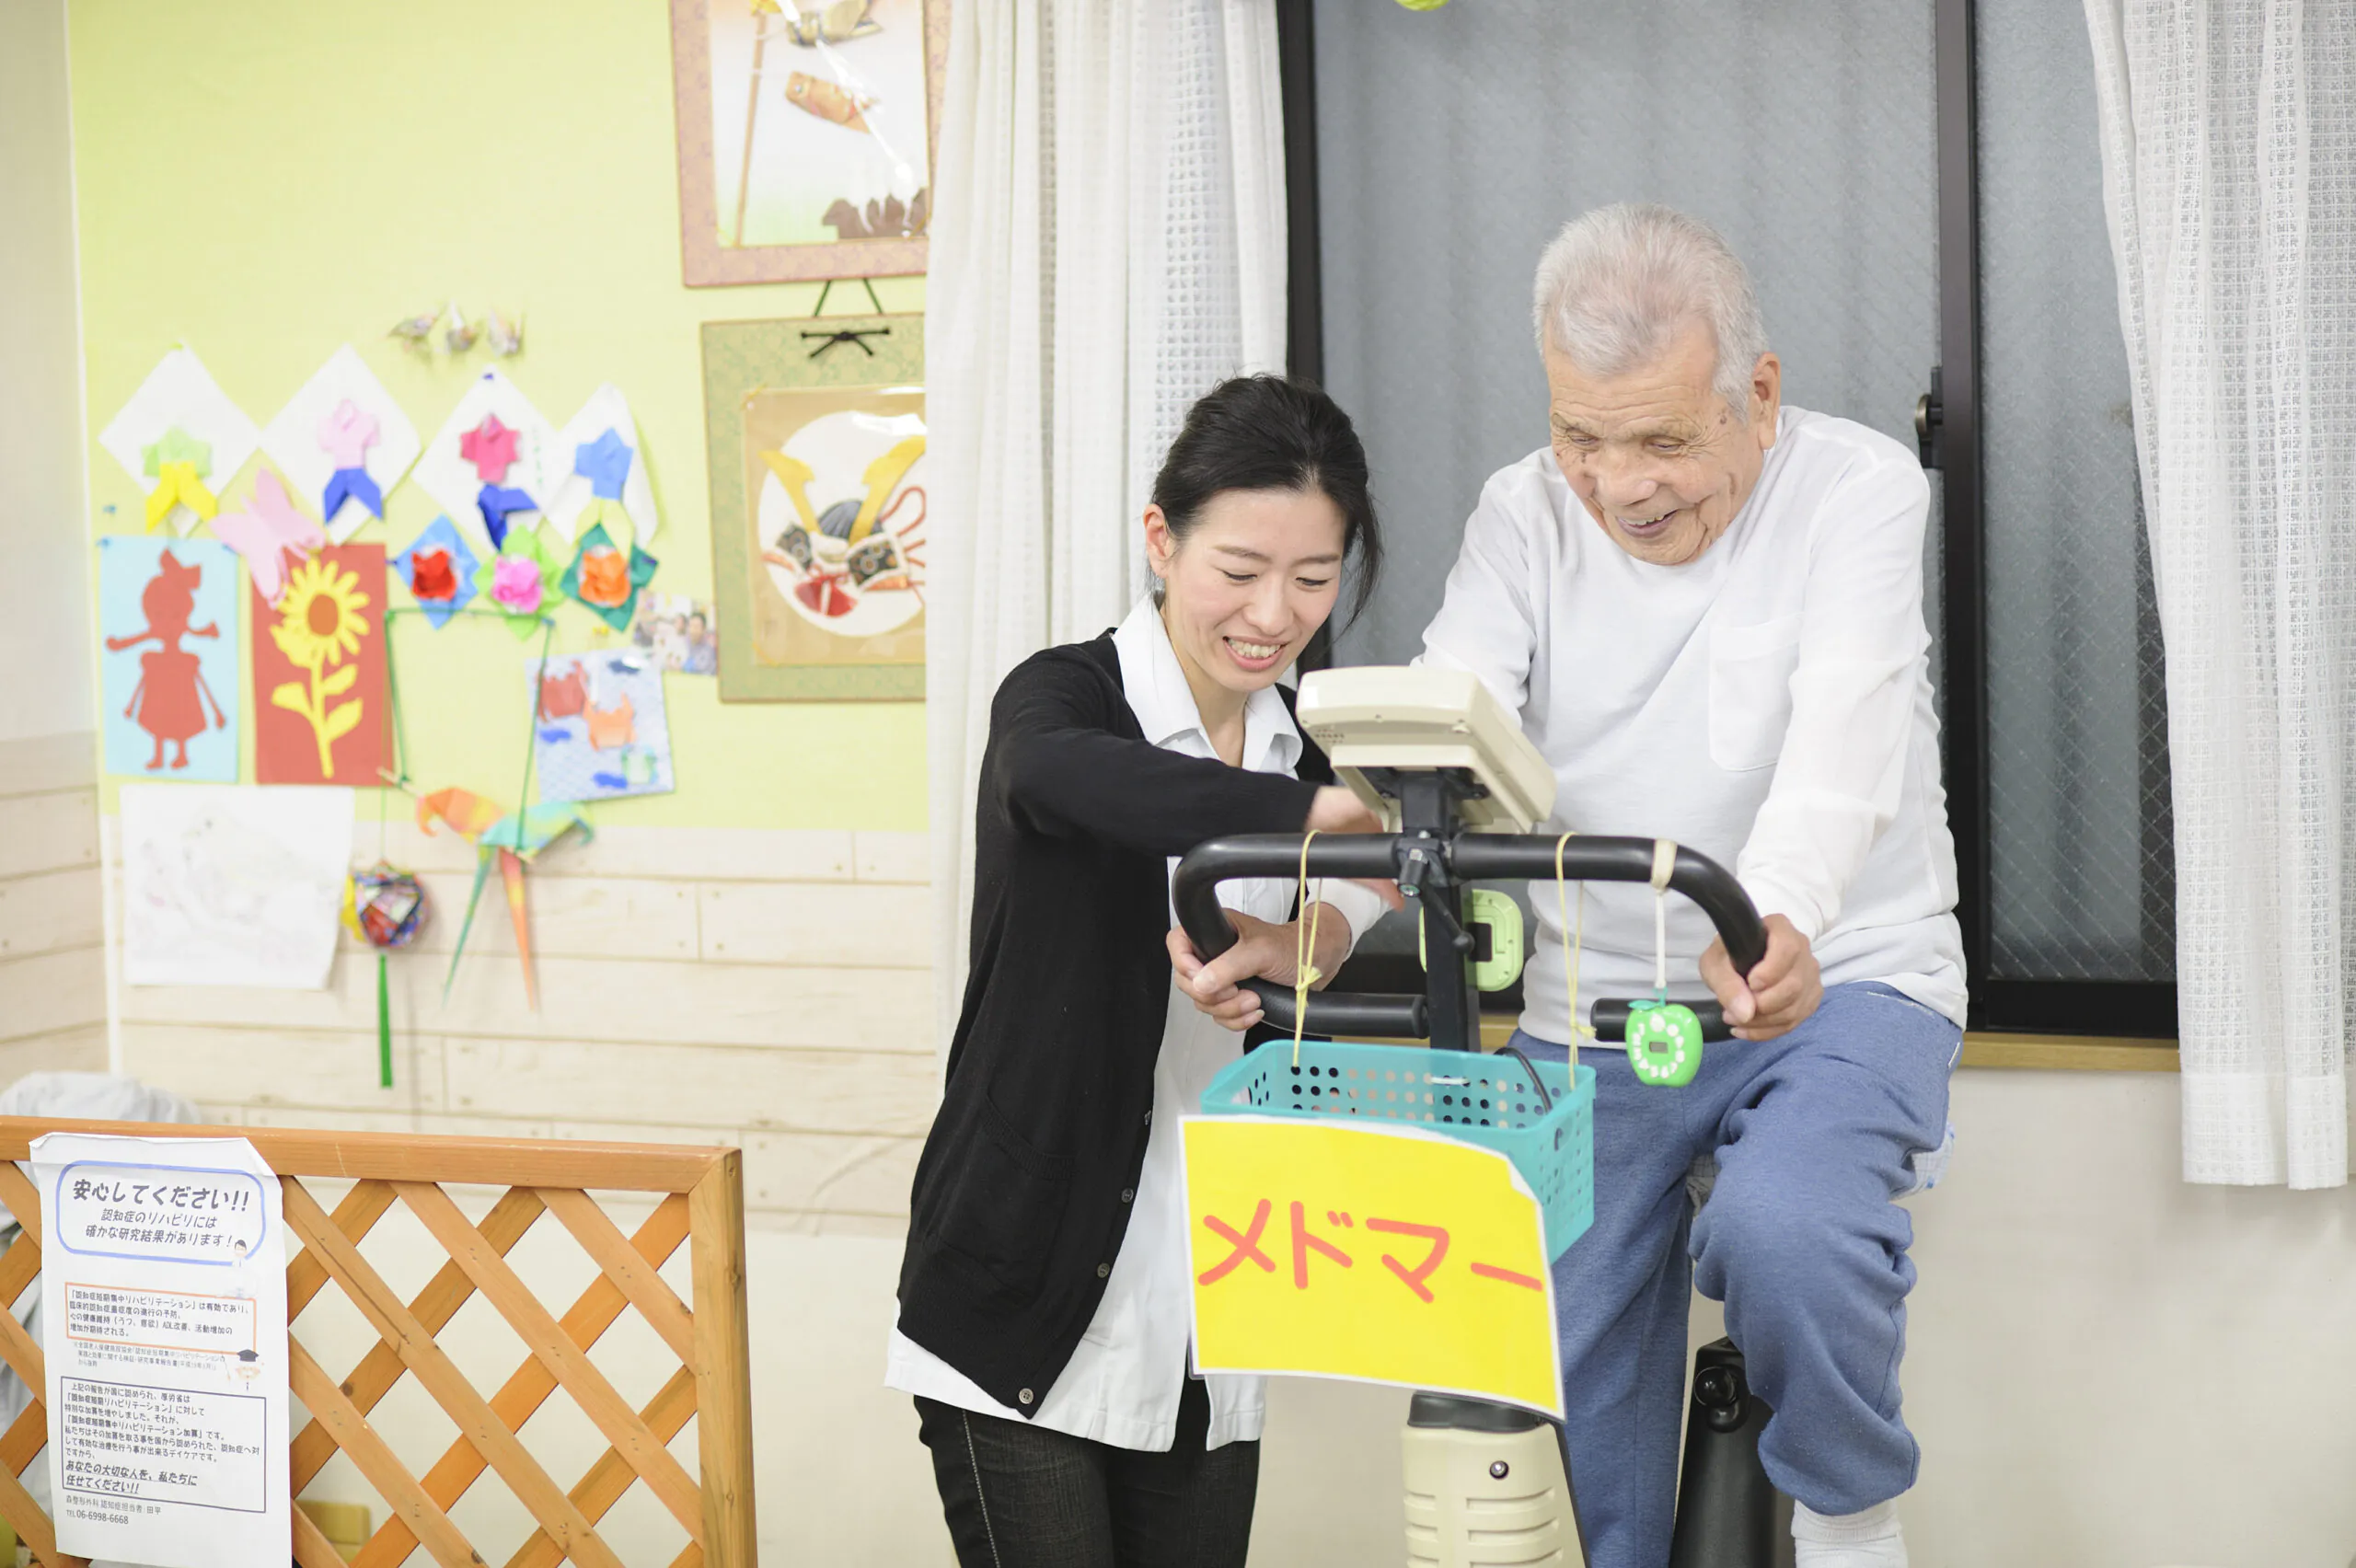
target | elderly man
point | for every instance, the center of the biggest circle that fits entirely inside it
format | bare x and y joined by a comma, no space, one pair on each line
1706,607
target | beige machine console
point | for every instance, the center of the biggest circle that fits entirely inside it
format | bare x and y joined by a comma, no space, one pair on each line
1415,719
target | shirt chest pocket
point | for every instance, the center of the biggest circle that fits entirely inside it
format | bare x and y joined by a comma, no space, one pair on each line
1751,691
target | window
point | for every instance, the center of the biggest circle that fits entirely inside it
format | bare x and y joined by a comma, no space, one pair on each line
1912,186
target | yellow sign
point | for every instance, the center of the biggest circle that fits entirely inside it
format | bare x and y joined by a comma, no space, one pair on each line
1385,1254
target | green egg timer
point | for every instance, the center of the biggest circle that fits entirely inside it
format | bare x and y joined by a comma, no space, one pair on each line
1664,1043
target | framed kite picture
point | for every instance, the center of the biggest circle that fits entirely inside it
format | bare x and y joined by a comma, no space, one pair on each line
815,435
807,134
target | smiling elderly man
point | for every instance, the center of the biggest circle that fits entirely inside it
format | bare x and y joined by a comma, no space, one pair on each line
1706,607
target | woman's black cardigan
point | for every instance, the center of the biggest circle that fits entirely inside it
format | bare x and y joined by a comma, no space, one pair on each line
1024,1187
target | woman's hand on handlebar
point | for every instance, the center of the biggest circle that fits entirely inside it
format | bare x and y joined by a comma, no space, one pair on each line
1779,993
1263,951
1336,810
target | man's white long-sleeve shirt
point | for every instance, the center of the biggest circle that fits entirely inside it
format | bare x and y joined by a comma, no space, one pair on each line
1768,704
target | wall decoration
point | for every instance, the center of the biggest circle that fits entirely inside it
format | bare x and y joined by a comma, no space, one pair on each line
520,581
168,611
605,479
232,885
271,532
506,335
343,441
181,440
511,838
808,132
679,633
320,712
384,908
818,507
417,331
600,728
492,460
439,570
604,582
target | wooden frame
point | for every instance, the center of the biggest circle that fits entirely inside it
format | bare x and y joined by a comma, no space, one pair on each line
705,260
881,357
703,1205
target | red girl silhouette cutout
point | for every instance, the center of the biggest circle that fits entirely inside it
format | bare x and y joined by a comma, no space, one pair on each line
170,699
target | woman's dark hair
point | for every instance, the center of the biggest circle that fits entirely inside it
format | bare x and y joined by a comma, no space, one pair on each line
1267,432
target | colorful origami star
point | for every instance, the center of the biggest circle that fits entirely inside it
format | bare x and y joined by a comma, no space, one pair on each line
490,448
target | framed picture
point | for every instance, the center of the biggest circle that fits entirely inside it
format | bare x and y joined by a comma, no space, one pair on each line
806,135
816,436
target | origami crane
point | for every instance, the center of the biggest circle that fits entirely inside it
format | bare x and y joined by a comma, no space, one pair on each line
514,839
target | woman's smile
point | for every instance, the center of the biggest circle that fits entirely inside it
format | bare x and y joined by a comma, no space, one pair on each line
1254,656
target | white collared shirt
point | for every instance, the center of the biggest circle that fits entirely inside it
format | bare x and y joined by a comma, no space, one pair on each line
1122,1384
1768,703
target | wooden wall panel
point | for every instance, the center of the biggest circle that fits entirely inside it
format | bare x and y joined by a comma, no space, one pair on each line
770,1089
52,956
765,990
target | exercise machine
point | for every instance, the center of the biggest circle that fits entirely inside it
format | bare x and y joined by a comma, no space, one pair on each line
1489,1485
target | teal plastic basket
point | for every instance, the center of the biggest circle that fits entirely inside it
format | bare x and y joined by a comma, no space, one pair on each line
1479,1098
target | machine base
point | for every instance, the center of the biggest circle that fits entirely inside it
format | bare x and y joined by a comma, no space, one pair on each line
1486,1488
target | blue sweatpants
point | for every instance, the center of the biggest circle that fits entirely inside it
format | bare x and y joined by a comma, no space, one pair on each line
1813,1133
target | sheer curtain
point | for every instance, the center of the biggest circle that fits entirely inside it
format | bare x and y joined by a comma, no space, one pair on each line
1108,243
2229,160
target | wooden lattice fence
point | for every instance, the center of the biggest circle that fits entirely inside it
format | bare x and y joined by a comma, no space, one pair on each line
702,1205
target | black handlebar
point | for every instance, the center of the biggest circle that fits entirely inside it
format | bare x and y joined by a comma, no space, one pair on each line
1471,857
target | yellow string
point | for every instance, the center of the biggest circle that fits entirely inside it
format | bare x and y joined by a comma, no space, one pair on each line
1574,943
1304,973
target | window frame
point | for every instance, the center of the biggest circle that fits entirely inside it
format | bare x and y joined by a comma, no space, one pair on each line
2138,1016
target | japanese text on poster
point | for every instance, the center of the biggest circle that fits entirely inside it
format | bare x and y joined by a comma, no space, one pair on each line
165,1293
1380,1254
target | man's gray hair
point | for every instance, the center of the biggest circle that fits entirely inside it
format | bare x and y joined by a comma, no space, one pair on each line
1619,283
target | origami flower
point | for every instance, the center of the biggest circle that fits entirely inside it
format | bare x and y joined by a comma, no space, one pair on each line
515,584
605,581
605,578
430,576
440,570
519,580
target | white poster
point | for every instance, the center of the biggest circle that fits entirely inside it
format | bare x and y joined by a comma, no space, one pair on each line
164,1308
233,884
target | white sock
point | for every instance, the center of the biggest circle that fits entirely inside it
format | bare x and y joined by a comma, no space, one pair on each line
1868,1539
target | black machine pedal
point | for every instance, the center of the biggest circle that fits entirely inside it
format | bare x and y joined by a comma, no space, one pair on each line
1728,1513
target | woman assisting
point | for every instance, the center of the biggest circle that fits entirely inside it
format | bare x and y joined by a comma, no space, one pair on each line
1044,1296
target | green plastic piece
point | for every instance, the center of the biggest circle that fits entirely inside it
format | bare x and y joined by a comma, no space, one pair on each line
1502,916
1664,1043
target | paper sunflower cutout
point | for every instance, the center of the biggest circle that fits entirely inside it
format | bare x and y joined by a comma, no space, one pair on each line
319,628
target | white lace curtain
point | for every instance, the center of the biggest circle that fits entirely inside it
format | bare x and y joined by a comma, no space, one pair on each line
1108,243
2229,153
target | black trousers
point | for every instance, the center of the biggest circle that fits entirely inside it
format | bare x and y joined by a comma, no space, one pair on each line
1017,1496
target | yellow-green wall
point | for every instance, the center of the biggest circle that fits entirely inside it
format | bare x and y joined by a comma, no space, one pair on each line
265,179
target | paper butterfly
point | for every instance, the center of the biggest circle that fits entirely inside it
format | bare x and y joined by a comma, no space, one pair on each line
268,531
